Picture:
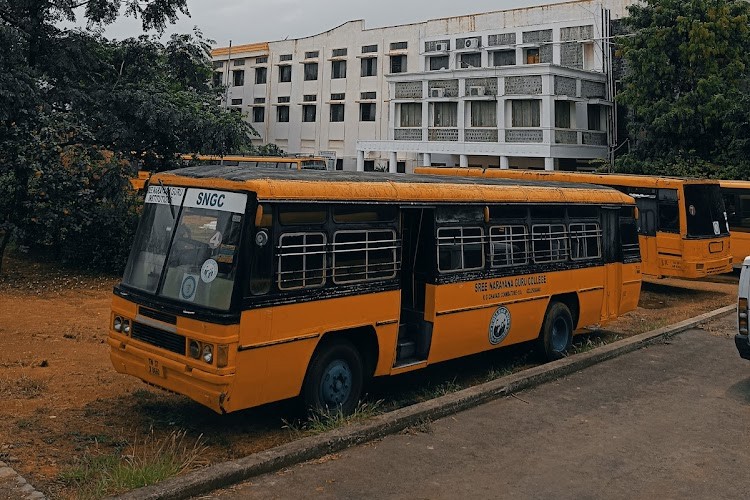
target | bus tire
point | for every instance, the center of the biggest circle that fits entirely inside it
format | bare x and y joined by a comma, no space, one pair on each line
557,331
334,378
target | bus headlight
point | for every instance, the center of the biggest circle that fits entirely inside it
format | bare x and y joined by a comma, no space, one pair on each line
208,353
117,324
194,348
126,326
222,355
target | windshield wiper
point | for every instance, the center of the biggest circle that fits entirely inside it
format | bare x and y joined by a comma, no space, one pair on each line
169,198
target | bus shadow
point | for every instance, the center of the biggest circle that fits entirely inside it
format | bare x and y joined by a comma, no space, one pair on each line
740,391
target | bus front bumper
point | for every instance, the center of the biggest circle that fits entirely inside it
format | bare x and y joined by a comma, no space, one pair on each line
743,346
708,267
205,388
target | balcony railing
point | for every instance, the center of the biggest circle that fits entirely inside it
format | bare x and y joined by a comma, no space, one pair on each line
442,134
407,134
480,135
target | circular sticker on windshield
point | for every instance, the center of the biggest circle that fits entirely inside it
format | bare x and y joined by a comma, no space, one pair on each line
215,240
499,325
188,286
209,270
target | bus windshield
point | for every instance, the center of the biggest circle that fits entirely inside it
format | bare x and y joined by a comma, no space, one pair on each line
187,251
706,216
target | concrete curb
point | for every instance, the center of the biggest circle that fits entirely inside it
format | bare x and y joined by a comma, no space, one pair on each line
19,488
234,471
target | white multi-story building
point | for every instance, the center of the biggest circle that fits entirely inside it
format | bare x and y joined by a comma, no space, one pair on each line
527,87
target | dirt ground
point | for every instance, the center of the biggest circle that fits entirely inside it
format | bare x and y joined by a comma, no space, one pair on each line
63,401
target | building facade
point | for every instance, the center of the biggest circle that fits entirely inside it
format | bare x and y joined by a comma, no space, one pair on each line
528,88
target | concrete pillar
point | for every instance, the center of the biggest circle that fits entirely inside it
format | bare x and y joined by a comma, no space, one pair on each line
360,161
463,161
504,163
426,160
392,160
549,164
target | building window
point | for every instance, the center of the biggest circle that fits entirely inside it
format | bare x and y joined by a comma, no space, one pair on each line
595,117
337,112
313,54
217,79
525,113
338,53
338,97
339,164
471,60
531,56
367,49
438,62
411,114
259,114
367,95
444,114
309,98
285,98
369,165
260,75
562,114
483,114
218,64
398,64
261,60
238,77
282,114
308,112
399,45
285,57
370,66
504,58
338,69
239,62
367,112
259,100
311,71
285,73
236,102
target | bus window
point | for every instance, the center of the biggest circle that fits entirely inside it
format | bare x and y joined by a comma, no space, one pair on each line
367,255
460,249
360,213
266,164
287,164
669,211
314,165
297,214
261,263
629,244
302,258
549,243
705,211
508,246
585,241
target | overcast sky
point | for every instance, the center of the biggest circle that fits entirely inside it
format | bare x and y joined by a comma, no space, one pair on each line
245,21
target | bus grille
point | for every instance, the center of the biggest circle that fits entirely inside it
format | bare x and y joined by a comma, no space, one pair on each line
159,338
158,315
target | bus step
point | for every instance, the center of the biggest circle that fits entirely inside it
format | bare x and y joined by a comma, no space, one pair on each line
406,349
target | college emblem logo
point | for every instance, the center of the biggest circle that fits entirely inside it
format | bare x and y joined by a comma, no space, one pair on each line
499,325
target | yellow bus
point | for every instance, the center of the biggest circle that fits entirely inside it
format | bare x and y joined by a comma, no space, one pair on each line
245,287
682,225
297,162
737,202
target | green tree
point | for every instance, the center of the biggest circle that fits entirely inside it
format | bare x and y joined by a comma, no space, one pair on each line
686,87
80,113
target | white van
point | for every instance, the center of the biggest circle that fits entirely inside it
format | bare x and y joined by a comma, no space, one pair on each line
742,340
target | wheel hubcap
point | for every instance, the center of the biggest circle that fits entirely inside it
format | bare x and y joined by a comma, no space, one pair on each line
336,385
559,335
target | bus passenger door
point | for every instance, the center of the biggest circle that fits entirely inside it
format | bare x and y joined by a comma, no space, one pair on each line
613,269
647,235
417,255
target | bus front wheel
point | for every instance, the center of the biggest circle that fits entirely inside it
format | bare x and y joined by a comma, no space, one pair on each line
334,378
557,331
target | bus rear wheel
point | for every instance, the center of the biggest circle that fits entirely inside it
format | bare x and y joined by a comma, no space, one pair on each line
334,378
557,331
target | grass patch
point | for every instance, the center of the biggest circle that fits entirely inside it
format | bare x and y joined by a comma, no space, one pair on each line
147,461
23,387
319,421
591,342
441,389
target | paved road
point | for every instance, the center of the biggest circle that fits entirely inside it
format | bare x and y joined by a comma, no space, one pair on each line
668,421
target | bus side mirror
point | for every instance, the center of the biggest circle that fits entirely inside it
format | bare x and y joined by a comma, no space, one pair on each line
636,213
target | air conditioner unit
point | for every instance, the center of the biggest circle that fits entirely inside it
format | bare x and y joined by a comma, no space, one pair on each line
471,43
441,47
437,92
476,90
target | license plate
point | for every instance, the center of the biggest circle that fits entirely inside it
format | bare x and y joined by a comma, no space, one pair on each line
155,368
